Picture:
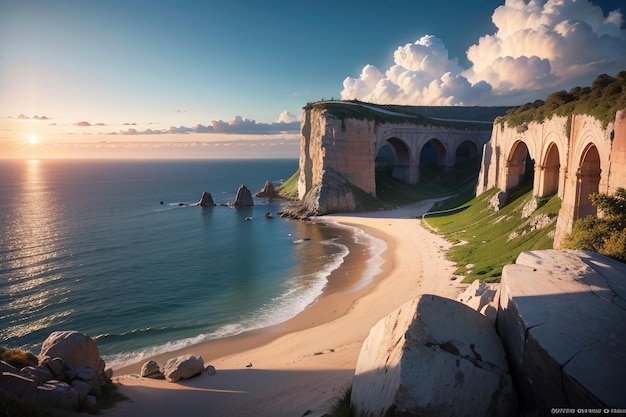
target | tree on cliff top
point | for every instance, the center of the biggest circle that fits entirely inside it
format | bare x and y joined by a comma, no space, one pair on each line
606,234
602,100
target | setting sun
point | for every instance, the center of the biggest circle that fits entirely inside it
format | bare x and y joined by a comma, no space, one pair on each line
32,139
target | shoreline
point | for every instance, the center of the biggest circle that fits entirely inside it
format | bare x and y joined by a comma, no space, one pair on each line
304,363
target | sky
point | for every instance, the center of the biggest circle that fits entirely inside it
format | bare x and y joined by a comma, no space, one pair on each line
153,78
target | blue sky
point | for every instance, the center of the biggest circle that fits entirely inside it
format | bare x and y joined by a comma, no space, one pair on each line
101,67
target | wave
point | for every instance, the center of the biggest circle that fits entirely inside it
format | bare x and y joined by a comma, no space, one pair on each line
300,292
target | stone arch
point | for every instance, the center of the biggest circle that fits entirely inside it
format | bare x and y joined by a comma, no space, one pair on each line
550,172
519,166
465,151
433,151
401,167
587,181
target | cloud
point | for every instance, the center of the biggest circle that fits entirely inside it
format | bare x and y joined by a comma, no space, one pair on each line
237,125
247,126
540,46
35,117
288,117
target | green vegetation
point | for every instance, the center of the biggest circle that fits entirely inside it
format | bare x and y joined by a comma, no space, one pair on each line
457,185
459,117
18,358
289,188
602,100
486,240
341,406
606,234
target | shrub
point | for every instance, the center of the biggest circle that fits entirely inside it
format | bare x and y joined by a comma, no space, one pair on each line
605,234
18,358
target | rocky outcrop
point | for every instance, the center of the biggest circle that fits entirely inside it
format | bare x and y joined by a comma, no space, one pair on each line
70,374
243,197
80,355
183,367
206,200
268,191
562,319
433,356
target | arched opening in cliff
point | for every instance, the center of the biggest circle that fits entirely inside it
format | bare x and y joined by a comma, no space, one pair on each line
394,158
433,154
550,172
465,151
588,182
520,168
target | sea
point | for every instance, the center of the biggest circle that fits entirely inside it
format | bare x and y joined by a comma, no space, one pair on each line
117,250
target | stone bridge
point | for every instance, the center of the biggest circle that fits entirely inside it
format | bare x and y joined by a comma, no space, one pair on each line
571,157
348,148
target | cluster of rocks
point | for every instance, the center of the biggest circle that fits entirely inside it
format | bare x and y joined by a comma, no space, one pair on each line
70,374
551,335
175,369
243,198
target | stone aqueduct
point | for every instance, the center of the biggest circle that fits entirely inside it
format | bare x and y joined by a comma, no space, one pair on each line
571,157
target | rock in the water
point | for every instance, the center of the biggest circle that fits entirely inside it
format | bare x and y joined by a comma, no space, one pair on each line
206,200
183,367
562,320
243,197
433,356
268,191
151,369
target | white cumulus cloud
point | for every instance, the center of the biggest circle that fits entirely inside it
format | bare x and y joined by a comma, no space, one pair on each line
540,46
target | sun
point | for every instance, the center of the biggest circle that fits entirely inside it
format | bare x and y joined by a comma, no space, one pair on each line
32,139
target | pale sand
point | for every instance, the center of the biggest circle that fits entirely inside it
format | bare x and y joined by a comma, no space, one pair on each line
303,365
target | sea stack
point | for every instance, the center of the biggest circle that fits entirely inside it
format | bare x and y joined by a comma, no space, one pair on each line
206,200
267,191
243,198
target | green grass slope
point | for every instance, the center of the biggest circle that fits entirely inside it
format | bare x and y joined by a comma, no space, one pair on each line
485,240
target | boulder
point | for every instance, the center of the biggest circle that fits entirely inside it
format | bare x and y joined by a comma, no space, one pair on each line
243,197
478,294
433,356
77,351
39,374
17,386
57,394
562,320
268,191
206,200
151,369
183,367
56,366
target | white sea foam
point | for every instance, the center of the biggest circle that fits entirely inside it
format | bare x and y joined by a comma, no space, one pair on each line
300,292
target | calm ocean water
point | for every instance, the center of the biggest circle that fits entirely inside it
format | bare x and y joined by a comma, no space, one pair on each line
88,246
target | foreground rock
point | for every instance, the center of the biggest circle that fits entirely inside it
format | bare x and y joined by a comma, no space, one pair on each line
433,356
183,367
70,374
243,197
562,319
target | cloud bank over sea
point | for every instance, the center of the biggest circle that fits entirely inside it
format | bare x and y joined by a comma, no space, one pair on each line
539,47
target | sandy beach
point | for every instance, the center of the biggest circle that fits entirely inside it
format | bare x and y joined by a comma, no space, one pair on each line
302,365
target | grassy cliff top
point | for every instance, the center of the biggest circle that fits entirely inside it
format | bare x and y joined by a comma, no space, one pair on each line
602,100
456,117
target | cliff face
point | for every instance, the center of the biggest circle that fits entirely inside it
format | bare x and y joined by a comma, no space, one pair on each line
568,156
335,156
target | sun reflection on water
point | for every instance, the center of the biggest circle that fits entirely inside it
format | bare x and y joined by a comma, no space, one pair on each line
31,280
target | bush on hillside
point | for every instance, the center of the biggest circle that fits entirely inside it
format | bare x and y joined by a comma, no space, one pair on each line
18,358
605,234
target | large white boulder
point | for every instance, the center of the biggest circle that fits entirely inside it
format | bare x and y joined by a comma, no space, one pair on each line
433,356
562,320
183,367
